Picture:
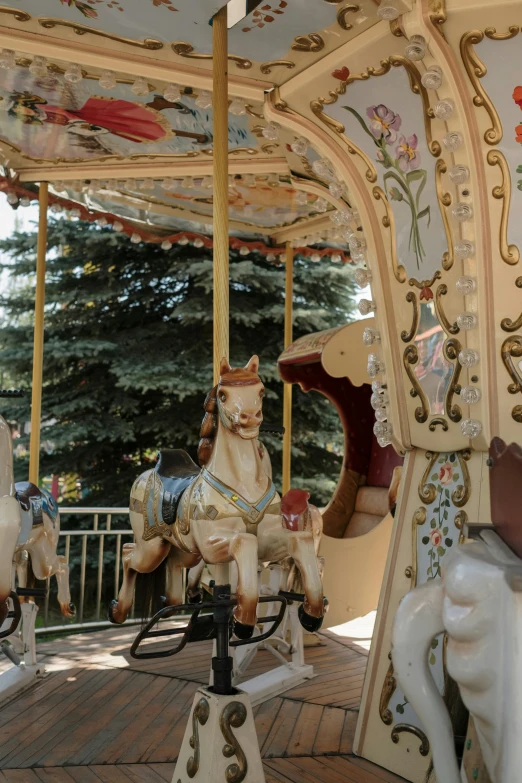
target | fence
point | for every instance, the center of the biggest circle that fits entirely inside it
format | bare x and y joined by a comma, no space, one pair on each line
89,591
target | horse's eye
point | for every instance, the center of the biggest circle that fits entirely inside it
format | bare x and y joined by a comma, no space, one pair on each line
262,393
222,396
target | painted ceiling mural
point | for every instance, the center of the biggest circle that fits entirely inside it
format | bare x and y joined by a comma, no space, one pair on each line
389,128
50,118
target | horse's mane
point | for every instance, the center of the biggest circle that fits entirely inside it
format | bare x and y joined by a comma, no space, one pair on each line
209,426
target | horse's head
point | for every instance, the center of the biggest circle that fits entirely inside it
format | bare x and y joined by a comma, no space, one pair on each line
236,402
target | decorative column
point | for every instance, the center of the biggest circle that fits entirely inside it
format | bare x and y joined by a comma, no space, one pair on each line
287,398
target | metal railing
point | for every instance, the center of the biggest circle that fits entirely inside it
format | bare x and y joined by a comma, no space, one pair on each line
104,558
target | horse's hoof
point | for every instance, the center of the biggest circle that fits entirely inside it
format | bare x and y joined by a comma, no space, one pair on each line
243,631
110,612
196,597
309,623
72,609
68,610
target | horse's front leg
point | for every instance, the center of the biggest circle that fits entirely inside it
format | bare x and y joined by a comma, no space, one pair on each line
222,545
46,563
177,561
142,557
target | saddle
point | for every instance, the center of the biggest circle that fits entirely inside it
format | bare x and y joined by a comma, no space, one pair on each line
34,503
175,471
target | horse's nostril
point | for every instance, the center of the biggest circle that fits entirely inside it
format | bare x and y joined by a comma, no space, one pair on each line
259,414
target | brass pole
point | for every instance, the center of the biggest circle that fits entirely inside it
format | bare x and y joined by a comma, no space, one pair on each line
220,158
38,347
287,398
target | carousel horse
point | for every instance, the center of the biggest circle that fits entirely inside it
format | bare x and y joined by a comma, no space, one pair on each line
227,511
29,532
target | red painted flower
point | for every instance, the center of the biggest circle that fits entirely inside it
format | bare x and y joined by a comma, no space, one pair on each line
518,137
436,537
517,96
446,473
426,293
342,74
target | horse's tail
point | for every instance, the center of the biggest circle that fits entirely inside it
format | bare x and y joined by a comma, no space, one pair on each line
149,592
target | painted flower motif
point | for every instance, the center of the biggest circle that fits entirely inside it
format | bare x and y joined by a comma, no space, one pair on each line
517,96
396,195
446,473
406,151
436,537
383,122
518,137
83,8
426,293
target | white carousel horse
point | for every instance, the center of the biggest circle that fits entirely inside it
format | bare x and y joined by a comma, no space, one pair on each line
29,532
229,511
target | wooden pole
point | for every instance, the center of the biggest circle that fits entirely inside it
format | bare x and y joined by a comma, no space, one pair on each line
38,347
287,398
220,157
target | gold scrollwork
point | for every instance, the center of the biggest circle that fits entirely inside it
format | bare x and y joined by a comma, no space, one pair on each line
388,221
450,328
234,716
184,49
308,43
267,67
512,347
438,422
20,16
200,715
418,88
451,349
424,283
81,29
388,689
395,28
507,324
419,518
444,201
410,358
461,519
476,71
342,14
428,491
510,253
462,492
407,336
402,728
438,16
517,413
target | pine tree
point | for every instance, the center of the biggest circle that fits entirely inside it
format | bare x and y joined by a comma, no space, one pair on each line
128,352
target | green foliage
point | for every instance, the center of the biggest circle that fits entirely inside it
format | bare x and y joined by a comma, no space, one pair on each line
128,352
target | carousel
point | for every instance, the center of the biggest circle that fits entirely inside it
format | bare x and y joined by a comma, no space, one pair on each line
375,133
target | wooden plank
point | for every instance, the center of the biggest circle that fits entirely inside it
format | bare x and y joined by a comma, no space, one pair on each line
46,775
282,728
320,769
166,741
305,731
345,766
379,772
296,774
264,717
165,771
20,776
109,773
348,733
328,739
273,776
82,775
142,773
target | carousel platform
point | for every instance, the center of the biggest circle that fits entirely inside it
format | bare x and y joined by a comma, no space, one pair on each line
98,716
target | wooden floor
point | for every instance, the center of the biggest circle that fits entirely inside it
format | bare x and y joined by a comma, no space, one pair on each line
99,715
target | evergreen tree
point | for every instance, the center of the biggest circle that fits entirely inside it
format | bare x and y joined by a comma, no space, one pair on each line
128,352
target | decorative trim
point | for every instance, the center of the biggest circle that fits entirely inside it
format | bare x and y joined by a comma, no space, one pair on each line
438,422
418,88
512,347
448,256
308,43
266,68
428,491
419,518
462,492
388,689
20,16
388,221
152,44
510,253
411,357
511,326
183,49
407,336
424,283
454,328
401,728
476,71
438,16
200,715
253,113
451,349
395,28
516,413
233,716
342,13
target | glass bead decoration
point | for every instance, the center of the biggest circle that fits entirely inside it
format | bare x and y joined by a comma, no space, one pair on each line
166,245
271,258
366,306
378,387
470,395
107,80
415,49
464,249
73,73
38,66
183,241
299,146
379,399
25,201
381,414
244,250
7,59
470,428
371,336
135,239
382,429
375,366
432,78
466,285
148,184
444,108
117,226
321,204
336,258
140,86
204,99
467,321
168,183
316,257
469,357
388,10
198,242
459,174
383,442
462,211
237,107
336,189
77,213
362,277
172,93
453,140
271,131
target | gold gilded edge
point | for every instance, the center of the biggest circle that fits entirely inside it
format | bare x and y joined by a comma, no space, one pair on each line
136,156
428,491
449,328
184,49
152,44
448,257
461,494
512,347
308,43
419,518
234,716
388,689
266,68
388,221
342,14
407,336
451,350
438,15
510,253
200,715
438,421
402,728
418,88
20,16
410,358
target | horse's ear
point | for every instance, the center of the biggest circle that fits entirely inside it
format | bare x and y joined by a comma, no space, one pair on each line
224,367
253,365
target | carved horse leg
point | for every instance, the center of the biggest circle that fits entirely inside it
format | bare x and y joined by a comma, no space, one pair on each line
194,591
45,563
142,557
10,526
177,561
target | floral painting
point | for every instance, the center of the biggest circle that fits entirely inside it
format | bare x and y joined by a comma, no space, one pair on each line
404,179
88,8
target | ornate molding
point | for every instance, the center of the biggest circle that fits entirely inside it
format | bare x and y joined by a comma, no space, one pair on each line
424,283
266,68
507,324
388,689
418,88
516,413
308,43
512,347
183,49
428,491
407,336
419,518
234,716
200,715
451,349
20,16
342,14
462,492
510,253
449,328
438,16
388,221
152,44
438,422
476,71
410,358
448,257
402,728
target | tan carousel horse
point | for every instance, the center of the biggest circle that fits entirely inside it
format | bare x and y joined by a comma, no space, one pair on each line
228,511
